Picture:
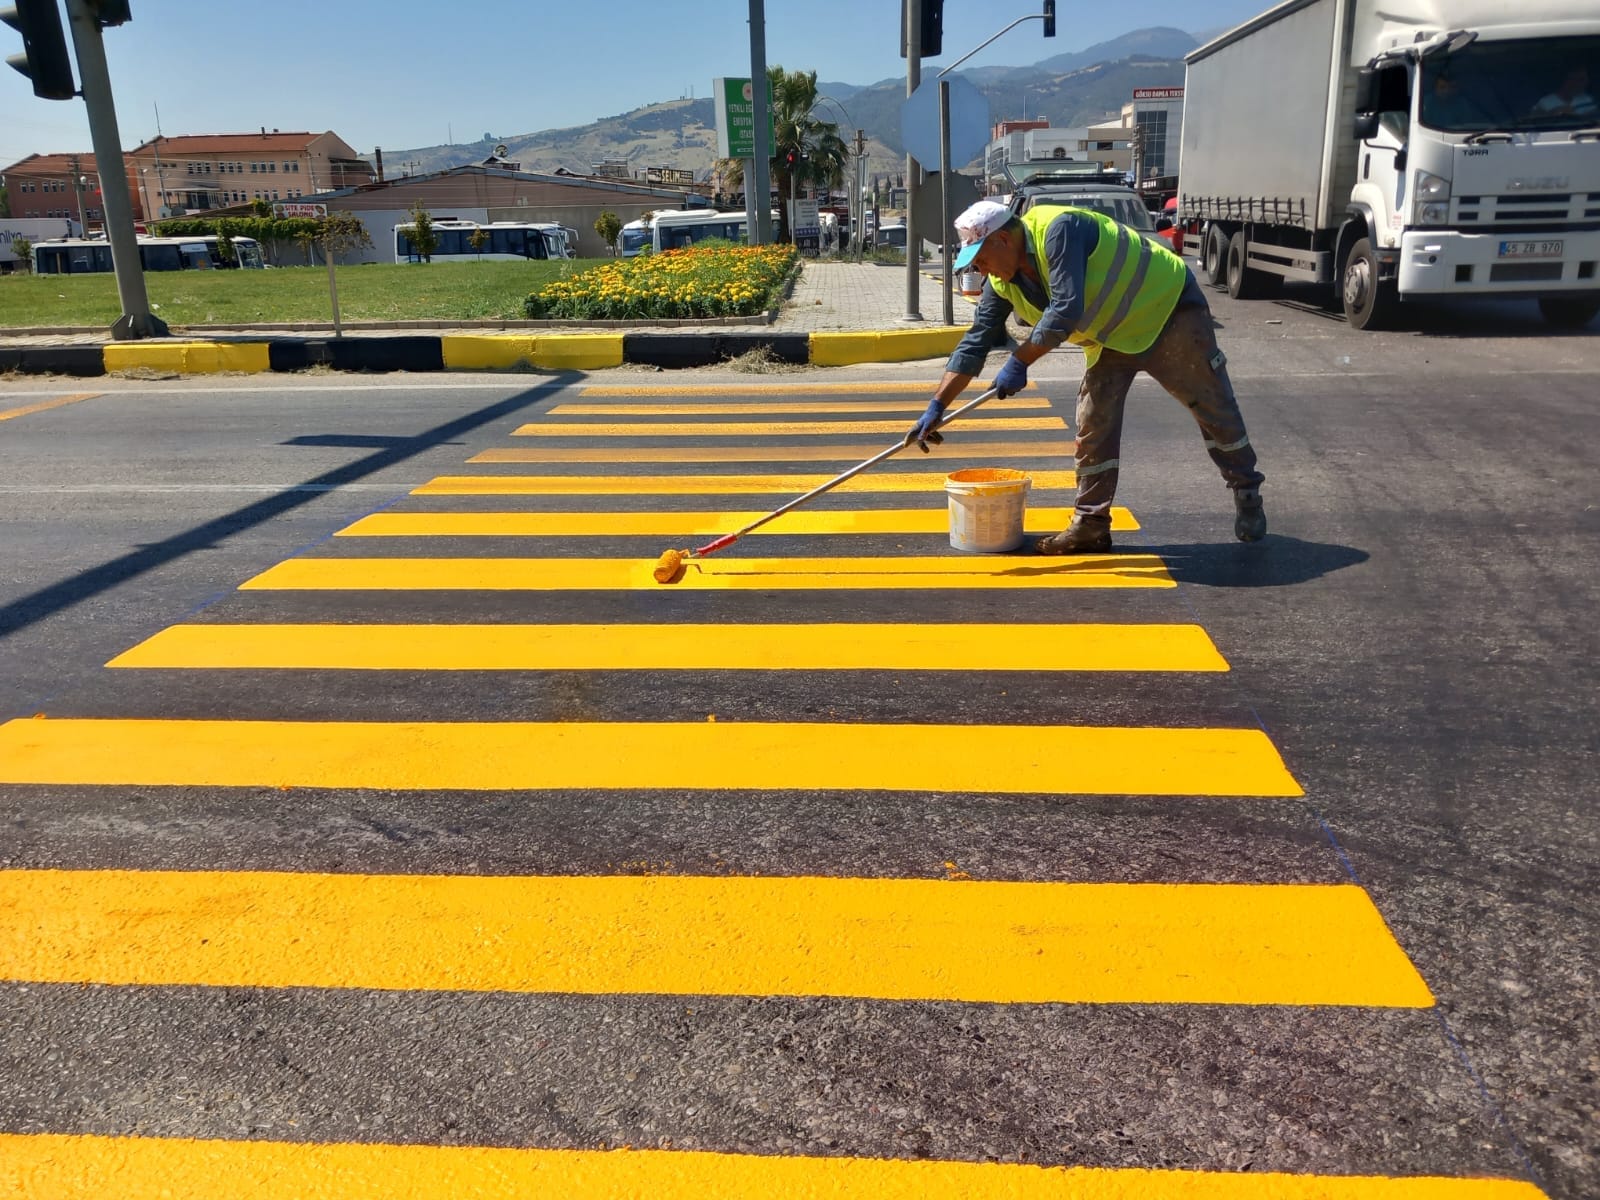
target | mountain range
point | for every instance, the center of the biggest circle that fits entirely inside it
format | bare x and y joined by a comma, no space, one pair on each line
1067,89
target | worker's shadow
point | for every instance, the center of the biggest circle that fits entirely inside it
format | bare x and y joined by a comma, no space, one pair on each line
1276,562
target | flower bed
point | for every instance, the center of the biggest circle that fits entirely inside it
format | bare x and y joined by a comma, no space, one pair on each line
709,280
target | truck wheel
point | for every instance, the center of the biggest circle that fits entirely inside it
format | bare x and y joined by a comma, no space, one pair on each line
1214,257
1569,312
1247,283
1369,303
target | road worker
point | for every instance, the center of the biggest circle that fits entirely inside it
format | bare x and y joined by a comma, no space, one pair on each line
1077,275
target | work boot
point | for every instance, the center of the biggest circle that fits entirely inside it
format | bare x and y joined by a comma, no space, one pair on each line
1086,535
1250,519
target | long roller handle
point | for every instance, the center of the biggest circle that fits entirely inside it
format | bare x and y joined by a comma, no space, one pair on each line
729,538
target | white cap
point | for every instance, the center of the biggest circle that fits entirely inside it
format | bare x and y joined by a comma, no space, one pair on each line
972,226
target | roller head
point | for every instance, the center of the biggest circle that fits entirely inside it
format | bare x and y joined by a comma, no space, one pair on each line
669,566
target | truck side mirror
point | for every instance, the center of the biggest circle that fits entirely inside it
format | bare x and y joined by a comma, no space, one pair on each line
1367,90
1366,126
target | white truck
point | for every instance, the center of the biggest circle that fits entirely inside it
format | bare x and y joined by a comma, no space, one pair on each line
1400,149
34,230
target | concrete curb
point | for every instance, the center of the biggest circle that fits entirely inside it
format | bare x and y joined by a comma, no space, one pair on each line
483,352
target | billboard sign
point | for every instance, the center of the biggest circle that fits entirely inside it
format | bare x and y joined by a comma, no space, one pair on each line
736,118
1163,93
299,210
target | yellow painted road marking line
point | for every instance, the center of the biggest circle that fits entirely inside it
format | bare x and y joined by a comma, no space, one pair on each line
774,408
769,756
687,524
881,388
695,485
11,413
842,646
763,428
844,453
715,573
889,939
52,1166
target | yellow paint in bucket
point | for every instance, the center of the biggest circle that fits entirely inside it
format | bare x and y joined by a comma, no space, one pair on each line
987,505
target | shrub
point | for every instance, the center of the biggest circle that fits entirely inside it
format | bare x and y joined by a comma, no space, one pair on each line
710,279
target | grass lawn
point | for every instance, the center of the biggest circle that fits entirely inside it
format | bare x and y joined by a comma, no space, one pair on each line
370,292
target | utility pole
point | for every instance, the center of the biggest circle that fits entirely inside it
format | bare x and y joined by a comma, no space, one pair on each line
77,187
859,199
913,168
136,320
758,180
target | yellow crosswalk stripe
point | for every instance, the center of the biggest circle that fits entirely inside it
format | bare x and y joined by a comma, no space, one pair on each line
987,571
851,452
761,429
823,647
889,939
767,756
777,408
687,524
93,1167
931,482
922,388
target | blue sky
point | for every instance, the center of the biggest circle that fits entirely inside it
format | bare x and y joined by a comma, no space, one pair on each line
402,74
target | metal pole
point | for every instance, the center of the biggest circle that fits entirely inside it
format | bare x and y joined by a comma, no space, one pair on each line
333,288
136,320
760,181
913,241
944,199
77,186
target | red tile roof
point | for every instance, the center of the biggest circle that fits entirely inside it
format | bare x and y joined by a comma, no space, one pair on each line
231,143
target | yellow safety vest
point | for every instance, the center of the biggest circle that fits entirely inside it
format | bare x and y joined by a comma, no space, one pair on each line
1130,289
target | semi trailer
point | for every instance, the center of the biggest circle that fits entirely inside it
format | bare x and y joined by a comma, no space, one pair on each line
1399,150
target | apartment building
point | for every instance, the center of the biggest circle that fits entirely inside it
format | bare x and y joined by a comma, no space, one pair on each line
41,185
194,173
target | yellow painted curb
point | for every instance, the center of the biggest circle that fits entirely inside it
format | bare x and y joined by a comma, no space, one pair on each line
564,352
191,357
894,345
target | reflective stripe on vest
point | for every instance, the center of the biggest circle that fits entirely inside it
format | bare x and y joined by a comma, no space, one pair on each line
1130,287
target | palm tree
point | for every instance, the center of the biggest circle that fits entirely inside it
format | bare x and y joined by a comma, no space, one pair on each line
819,153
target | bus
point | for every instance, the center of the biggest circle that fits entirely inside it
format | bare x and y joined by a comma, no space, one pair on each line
508,241
85,256
635,237
684,227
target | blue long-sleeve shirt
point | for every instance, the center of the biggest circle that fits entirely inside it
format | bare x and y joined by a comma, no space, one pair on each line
1069,240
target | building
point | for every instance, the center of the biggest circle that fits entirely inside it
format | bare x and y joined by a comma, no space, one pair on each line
486,193
1157,112
41,186
1142,139
195,173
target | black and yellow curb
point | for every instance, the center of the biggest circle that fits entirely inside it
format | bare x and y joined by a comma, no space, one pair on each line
483,352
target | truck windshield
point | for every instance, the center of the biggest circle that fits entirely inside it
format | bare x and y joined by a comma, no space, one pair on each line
1514,86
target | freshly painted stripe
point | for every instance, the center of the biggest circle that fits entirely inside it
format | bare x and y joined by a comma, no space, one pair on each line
896,345
888,939
832,646
767,756
764,428
10,414
193,357
931,482
714,573
775,408
53,1166
687,524
915,387
561,352
849,452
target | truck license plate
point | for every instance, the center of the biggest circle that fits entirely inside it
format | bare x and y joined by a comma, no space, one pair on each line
1530,249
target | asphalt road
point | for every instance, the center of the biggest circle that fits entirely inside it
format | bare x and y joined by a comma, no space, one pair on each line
266,881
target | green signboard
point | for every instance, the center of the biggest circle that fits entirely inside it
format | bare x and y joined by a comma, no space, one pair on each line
736,120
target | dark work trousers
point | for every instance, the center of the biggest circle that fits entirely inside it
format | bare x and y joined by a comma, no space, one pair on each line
1184,360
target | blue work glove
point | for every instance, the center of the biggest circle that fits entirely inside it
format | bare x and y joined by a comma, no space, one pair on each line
924,430
1013,377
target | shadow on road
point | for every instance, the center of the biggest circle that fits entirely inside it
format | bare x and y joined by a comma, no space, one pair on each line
1276,562
46,602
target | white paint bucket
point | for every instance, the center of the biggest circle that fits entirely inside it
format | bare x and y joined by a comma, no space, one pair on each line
986,508
971,283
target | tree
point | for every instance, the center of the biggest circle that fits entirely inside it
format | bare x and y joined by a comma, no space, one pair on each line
5,203
225,233
261,208
23,249
478,239
424,238
609,226
819,153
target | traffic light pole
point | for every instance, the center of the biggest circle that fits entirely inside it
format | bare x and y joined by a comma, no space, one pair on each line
136,320
913,168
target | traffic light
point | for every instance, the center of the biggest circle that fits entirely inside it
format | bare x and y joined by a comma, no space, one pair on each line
1049,18
111,12
44,58
932,27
